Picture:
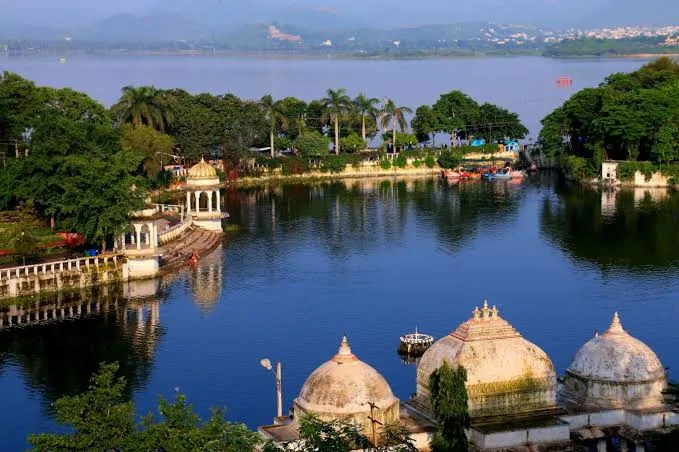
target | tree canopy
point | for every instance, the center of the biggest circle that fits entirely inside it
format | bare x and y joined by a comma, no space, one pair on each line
628,117
449,402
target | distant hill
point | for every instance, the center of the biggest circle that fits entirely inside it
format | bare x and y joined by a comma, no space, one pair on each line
154,28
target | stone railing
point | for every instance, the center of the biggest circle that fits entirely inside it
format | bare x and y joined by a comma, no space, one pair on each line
53,268
175,231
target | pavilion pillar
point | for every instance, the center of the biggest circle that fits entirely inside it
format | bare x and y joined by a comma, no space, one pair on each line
209,201
219,203
137,229
188,202
197,196
601,445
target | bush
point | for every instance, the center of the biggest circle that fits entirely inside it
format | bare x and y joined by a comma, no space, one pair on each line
312,144
338,163
385,164
294,165
400,161
352,143
580,168
417,163
450,159
429,161
282,143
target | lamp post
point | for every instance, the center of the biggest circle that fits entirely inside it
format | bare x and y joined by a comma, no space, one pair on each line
266,363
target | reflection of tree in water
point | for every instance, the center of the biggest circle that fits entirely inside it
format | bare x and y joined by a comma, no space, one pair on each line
362,214
58,357
627,229
457,211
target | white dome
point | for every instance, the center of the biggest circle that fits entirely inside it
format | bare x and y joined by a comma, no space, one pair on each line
344,386
614,369
202,174
616,356
499,362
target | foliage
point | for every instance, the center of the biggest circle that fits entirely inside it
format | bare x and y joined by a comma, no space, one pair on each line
403,139
100,419
338,163
450,159
385,164
294,165
312,144
155,148
394,116
336,103
579,168
144,105
275,117
366,107
610,47
353,143
429,161
449,404
282,142
628,117
343,436
19,102
627,170
424,124
400,161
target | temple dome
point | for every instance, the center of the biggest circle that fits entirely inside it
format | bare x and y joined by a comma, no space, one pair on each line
202,174
614,369
343,388
616,356
505,372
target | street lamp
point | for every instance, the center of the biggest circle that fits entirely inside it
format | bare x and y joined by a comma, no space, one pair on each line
266,363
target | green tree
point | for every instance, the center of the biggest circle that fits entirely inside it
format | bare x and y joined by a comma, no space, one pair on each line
144,105
450,159
424,124
353,143
497,123
19,103
295,112
155,148
666,146
449,403
455,113
275,117
403,139
367,108
336,104
312,144
100,418
393,116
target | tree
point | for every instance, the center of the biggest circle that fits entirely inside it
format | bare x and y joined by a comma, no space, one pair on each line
144,105
312,144
393,115
295,112
353,143
275,116
19,102
336,103
497,123
154,148
367,108
449,403
100,419
455,113
666,147
424,124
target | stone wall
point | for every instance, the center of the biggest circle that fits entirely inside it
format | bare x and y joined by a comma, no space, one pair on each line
349,172
606,394
609,176
30,280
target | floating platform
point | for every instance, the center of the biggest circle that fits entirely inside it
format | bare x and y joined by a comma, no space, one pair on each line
414,344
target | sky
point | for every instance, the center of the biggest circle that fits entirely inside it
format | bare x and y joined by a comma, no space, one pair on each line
68,13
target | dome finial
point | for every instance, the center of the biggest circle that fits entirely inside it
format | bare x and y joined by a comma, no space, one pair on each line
344,349
486,310
616,326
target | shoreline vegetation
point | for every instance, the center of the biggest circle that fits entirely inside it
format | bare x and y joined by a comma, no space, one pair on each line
629,118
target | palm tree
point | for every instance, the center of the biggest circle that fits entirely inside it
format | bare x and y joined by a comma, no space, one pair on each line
144,105
365,106
336,104
273,114
390,114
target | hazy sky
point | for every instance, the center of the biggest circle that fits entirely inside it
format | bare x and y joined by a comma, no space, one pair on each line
60,13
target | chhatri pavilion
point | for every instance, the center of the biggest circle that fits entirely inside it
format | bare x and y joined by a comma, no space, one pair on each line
609,400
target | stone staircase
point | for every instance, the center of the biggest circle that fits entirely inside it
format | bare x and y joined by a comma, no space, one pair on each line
178,251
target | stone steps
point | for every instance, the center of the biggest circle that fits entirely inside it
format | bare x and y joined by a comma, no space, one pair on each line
179,251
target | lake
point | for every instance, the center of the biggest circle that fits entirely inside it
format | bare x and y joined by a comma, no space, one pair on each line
522,84
372,259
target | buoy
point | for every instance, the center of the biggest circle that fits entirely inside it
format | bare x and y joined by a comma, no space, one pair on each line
564,82
414,344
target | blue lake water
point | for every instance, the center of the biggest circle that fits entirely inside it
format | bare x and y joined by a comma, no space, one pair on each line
373,259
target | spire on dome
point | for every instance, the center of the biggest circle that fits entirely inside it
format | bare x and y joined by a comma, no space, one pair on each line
344,349
616,326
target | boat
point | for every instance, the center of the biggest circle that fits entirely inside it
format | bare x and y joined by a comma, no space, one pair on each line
517,174
62,60
532,168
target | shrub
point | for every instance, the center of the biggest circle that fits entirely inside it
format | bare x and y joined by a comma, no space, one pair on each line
385,164
450,159
429,161
352,143
580,168
312,144
338,163
294,165
400,161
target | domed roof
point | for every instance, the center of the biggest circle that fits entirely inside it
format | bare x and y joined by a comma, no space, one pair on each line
493,353
202,170
615,356
345,385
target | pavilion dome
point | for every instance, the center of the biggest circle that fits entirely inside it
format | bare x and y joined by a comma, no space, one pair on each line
615,369
201,174
506,373
344,388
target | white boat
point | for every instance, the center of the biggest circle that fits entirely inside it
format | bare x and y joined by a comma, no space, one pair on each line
62,60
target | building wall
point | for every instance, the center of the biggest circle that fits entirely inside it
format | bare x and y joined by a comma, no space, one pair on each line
606,394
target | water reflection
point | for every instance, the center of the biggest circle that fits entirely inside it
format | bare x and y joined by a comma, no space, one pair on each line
359,215
59,341
627,229
206,280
